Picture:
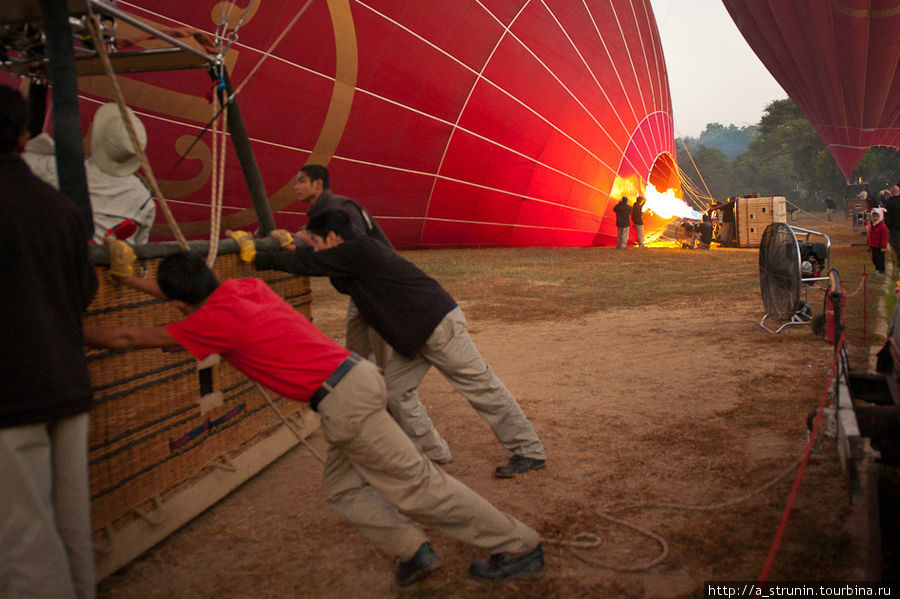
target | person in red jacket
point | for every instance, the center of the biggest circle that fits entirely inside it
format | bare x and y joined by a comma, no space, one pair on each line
878,239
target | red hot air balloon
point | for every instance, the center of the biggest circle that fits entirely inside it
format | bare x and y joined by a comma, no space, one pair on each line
838,62
456,123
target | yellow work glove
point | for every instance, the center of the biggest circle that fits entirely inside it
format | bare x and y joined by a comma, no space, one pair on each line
245,240
122,260
284,238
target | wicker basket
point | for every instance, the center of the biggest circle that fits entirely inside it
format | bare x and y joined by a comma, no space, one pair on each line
149,438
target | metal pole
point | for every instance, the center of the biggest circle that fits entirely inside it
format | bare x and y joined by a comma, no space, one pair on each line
241,142
836,296
97,6
37,107
66,116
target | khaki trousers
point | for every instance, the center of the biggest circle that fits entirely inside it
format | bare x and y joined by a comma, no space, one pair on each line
376,478
363,339
413,419
622,238
639,231
46,550
452,352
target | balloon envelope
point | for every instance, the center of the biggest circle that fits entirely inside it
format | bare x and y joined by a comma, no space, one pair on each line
837,61
456,123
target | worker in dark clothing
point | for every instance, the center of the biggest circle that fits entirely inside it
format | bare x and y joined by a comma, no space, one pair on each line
46,549
706,232
623,212
637,219
421,322
829,208
726,218
892,218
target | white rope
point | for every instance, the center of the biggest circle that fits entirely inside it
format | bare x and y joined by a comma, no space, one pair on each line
587,540
100,45
218,180
271,48
289,424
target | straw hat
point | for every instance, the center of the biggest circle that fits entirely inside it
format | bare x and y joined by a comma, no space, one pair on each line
111,147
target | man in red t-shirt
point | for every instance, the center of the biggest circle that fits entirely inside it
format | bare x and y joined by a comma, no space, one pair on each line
370,458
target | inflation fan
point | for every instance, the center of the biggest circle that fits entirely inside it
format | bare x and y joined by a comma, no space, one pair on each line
789,266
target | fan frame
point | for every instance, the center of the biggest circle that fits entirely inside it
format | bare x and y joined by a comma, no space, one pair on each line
805,283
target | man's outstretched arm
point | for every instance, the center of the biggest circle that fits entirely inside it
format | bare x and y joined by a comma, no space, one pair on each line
143,284
124,338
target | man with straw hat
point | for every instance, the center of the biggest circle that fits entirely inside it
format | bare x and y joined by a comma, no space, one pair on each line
117,193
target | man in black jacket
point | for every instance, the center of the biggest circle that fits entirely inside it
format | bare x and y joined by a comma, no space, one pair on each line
313,186
45,396
637,219
623,212
892,218
419,320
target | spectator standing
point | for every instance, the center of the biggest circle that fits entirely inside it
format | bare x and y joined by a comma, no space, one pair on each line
623,212
829,208
877,238
46,548
706,232
892,217
637,219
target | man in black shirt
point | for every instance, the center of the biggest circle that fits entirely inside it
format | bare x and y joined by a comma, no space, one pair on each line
637,219
45,396
313,186
623,212
829,208
892,218
419,320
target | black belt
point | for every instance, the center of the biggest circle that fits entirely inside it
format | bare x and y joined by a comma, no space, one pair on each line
331,382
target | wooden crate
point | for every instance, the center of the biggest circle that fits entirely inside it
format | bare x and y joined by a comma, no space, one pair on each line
753,215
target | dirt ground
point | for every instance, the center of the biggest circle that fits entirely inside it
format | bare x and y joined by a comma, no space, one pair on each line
686,401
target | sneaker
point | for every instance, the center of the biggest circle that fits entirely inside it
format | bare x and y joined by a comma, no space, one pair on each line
500,567
519,464
423,563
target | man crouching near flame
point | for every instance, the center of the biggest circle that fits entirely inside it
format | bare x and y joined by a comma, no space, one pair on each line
369,457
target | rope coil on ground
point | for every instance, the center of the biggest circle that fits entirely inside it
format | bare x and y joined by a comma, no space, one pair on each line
586,540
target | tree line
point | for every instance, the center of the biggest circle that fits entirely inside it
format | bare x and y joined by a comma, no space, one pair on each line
781,155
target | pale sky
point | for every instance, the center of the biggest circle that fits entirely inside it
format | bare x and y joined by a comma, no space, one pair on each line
714,76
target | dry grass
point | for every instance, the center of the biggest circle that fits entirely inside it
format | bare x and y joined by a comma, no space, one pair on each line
518,284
